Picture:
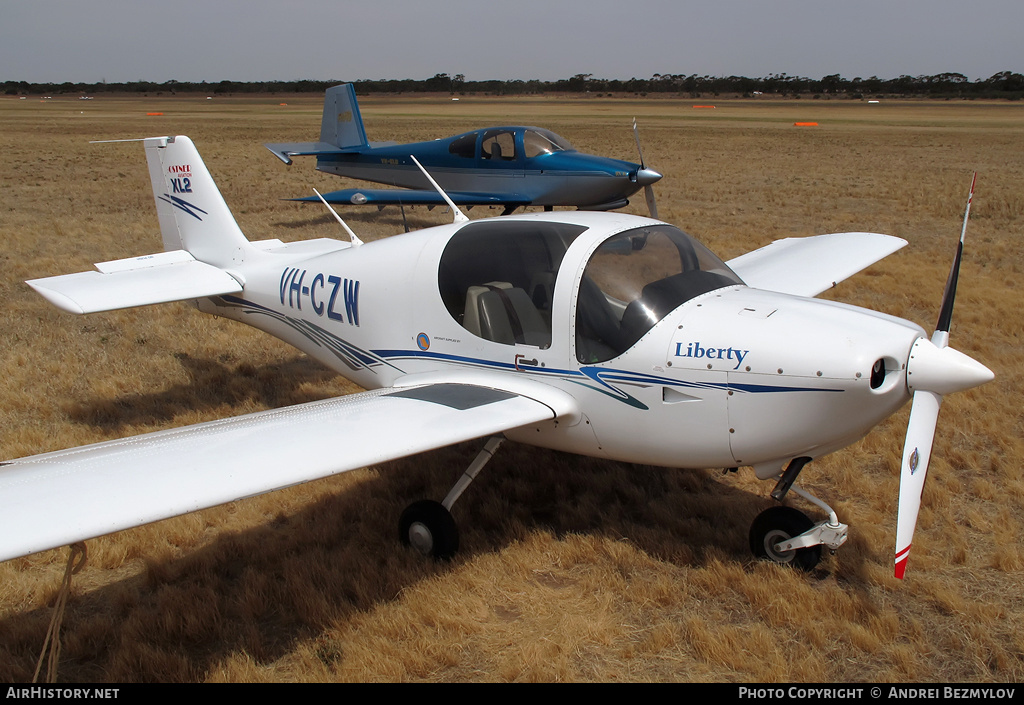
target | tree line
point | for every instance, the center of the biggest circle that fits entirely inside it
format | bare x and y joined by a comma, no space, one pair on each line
1006,84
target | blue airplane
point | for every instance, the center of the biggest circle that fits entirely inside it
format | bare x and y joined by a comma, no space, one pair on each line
511,166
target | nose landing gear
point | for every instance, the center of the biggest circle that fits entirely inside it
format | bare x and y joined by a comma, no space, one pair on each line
786,535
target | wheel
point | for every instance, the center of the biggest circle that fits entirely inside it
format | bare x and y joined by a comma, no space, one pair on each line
429,528
777,524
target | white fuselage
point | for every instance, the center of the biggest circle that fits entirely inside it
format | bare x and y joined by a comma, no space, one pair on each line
735,376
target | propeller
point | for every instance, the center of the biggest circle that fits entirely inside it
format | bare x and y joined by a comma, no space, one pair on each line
646,177
933,370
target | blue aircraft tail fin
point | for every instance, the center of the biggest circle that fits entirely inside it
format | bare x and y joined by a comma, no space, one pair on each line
341,130
342,125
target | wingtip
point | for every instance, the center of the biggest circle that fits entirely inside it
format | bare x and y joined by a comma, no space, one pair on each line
58,299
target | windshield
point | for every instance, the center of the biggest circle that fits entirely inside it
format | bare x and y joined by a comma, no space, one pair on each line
537,141
634,280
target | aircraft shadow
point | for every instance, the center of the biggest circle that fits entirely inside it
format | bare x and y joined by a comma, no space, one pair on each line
391,216
263,590
211,384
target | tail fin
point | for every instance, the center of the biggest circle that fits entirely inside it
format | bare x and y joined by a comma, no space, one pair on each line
193,215
341,129
342,125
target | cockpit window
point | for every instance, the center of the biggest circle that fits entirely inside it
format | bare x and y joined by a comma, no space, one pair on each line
499,144
537,141
464,146
497,278
634,280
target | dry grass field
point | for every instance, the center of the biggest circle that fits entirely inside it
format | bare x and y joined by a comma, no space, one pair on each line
572,569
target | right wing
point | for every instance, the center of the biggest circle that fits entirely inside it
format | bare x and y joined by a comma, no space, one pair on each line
807,266
58,498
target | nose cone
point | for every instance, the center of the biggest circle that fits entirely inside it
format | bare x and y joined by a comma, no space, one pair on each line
646,177
943,370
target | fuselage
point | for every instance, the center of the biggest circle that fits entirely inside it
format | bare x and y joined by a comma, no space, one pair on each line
518,164
722,375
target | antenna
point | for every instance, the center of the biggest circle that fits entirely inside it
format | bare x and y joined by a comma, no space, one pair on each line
356,242
459,216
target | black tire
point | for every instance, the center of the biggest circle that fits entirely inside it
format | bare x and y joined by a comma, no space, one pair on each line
429,528
778,524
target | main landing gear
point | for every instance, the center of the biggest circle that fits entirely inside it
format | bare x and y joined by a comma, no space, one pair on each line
780,533
428,526
786,535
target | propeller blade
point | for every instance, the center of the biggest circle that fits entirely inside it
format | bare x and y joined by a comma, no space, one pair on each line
646,176
949,294
636,136
917,451
652,207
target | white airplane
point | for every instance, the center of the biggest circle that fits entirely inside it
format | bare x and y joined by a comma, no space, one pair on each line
602,334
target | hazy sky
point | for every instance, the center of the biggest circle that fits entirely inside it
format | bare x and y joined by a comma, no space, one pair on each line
258,40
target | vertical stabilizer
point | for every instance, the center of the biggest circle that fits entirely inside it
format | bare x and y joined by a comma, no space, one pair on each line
342,124
193,215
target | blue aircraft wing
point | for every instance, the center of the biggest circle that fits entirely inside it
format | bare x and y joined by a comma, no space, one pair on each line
416,197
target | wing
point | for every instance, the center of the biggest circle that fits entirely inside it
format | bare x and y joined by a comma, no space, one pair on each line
807,266
415,197
58,498
138,281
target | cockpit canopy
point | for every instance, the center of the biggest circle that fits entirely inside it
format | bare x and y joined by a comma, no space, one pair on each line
497,280
635,279
537,141
504,143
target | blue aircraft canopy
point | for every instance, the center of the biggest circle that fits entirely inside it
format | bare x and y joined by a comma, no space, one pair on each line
537,141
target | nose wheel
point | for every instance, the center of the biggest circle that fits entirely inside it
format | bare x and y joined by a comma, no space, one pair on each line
786,535
773,527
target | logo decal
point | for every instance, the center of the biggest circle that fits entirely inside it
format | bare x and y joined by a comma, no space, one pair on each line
354,357
182,204
915,458
695,350
180,178
423,341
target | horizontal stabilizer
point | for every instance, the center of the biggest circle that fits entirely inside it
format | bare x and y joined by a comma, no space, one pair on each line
807,266
58,498
286,150
138,281
414,197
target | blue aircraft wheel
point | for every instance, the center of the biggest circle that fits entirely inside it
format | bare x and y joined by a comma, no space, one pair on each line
777,524
429,528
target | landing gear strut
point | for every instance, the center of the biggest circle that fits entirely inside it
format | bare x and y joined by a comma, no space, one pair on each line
786,535
428,526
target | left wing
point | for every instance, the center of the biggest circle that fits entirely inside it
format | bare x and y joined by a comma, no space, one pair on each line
58,498
807,266
415,197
